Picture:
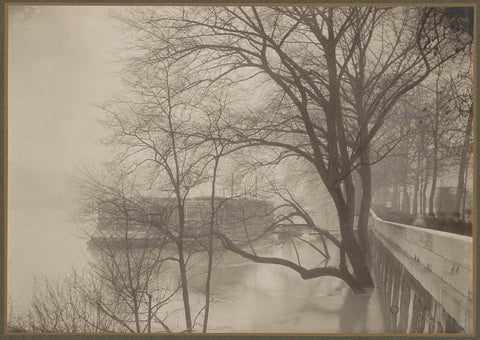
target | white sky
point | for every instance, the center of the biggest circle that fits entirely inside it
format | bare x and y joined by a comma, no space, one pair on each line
60,64
58,69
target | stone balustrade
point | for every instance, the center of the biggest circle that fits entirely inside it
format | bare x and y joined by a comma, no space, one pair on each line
441,264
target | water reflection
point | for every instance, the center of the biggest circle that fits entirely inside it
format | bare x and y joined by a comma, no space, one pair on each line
353,314
251,297
262,298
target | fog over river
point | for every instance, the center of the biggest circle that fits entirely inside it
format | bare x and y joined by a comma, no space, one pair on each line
55,133
247,297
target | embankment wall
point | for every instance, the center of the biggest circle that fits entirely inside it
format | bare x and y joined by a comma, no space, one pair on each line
427,277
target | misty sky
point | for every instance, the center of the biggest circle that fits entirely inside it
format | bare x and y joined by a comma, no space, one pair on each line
62,60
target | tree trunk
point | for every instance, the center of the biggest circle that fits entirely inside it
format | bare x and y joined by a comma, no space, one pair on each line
349,242
424,190
415,190
463,162
365,170
405,199
150,315
464,196
185,296
366,179
356,256
395,197
136,313
405,195
183,267
435,152
339,155
434,183
210,248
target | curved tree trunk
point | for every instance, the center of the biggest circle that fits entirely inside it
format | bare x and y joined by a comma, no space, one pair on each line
306,274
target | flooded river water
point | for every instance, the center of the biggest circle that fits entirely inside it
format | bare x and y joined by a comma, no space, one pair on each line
247,297
265,298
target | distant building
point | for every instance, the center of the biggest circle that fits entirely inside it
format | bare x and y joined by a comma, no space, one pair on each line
240,219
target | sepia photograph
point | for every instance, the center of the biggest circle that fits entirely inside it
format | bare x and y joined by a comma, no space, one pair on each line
274,169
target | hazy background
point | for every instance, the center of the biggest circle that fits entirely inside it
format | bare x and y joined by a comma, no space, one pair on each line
61,62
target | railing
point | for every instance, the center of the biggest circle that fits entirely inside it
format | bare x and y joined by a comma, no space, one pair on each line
440,261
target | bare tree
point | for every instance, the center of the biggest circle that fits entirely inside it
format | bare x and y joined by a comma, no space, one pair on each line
152,131
463,102
57,307
436,128
312,55
88,302
129,257
124,288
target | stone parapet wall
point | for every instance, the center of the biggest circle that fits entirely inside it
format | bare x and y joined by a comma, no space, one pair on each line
427,277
